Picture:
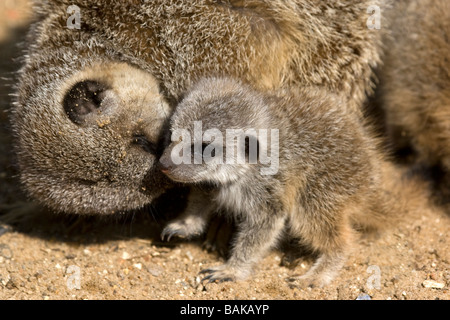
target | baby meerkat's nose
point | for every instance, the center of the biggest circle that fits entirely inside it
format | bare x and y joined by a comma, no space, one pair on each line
165,163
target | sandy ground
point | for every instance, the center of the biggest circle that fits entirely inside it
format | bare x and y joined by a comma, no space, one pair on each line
49,256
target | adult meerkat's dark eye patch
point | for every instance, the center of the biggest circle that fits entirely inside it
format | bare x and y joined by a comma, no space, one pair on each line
84,98
145,144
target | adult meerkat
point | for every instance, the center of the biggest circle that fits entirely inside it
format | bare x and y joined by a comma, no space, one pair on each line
328,176
140,57
415,82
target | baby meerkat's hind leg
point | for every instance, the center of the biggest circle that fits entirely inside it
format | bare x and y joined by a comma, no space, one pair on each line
332,241
255,237
193,221
324,270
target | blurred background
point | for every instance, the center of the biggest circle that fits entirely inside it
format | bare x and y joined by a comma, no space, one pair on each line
15,16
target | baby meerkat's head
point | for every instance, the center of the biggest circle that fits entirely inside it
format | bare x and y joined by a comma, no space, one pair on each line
216,133
87,139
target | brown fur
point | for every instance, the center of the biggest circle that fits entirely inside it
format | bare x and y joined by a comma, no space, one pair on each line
416,82
100,169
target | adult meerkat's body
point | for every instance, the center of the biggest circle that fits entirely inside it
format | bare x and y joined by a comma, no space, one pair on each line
91,101
415,82
330,174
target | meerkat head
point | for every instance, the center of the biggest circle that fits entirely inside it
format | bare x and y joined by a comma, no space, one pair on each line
216,133
87,139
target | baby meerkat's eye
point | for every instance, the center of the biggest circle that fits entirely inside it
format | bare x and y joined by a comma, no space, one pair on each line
251,149
204,145
84,98
206,153
212,153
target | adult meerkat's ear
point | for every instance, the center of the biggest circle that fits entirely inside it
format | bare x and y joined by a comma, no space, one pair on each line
86,99
45,6
43,9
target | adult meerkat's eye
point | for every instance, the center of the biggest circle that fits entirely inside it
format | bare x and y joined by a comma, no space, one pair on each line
84,98
146,145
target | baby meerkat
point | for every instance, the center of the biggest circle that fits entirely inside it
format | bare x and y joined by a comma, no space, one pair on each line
297,165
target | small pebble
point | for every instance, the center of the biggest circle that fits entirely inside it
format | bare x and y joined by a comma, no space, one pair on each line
11,284
433,284
189,255
125,255
137,266
5,251
155,270
363,296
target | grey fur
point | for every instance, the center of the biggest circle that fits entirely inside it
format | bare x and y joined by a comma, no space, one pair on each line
331,175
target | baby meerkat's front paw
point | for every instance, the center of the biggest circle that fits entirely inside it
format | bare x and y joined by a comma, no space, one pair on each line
185,228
